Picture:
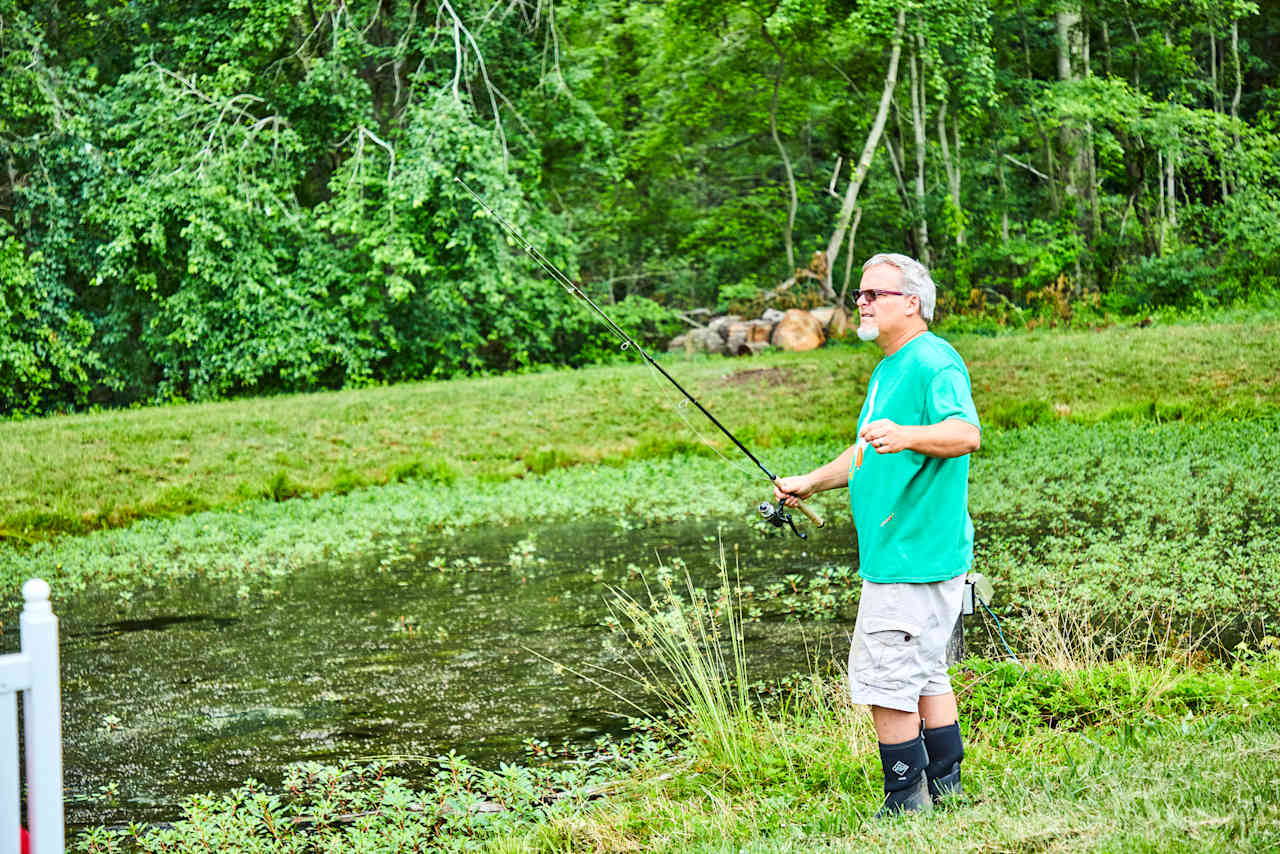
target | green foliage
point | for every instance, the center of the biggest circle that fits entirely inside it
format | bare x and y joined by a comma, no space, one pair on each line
460,808
585,339
1126,692
45,354
1179,278
281,487
203,229
1050,753
1020,413
542,461
222,200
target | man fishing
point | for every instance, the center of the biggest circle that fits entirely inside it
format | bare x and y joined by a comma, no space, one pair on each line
908,480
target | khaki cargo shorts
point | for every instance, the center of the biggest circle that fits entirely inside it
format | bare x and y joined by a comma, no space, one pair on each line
899,651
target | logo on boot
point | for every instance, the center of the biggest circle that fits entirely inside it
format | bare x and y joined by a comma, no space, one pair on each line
900,768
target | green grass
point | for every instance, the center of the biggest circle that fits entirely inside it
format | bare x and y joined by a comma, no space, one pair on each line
1123,743
1154,787
79,473
1167,755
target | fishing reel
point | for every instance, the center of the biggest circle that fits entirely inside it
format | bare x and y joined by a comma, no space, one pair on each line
777,516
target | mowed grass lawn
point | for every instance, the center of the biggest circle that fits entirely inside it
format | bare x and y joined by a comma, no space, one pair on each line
78,473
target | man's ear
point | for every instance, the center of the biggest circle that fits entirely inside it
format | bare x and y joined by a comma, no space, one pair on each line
912,307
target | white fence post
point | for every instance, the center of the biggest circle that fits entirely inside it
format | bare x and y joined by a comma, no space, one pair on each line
42,717
10,785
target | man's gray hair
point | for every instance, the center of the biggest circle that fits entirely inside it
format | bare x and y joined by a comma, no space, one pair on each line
915,279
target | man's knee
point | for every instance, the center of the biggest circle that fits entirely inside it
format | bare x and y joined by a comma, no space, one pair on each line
894,726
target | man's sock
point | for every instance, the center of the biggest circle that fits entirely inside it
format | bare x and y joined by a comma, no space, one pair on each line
946,750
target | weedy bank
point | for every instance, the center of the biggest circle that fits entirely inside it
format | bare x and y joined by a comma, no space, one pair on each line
1117,518
1084,746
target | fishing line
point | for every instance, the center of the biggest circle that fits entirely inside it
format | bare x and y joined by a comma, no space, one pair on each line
572,288
679,408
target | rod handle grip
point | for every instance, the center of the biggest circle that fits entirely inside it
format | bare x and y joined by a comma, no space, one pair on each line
813,517
804,508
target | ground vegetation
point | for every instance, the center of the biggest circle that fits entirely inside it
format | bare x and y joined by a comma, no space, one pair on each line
1123,499
102,470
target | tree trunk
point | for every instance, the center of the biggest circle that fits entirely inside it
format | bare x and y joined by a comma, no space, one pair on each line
1106,46
782,150
894,158
1091,161
868,152
1160,208
1235,97
917,126
1215,69
1050,163
1137,42
1065,20
1069,50
952,166
848,256
896,149
1071,56
1004,196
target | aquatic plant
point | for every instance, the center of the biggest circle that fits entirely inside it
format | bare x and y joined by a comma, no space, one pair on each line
1172,516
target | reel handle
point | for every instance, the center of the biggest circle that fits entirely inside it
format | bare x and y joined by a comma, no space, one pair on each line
804,508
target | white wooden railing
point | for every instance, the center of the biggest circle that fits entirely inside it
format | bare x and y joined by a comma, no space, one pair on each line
33,671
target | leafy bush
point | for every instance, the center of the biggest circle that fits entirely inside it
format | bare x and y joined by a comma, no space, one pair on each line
1123,692
46,355
585,338
1181,278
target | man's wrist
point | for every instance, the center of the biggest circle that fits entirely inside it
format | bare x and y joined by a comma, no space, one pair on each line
911,438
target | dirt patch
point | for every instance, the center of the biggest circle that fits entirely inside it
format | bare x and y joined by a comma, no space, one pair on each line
762,376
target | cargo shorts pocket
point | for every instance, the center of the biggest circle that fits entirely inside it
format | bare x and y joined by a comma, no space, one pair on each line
887,653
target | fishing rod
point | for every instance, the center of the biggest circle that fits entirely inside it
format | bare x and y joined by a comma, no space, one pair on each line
775,515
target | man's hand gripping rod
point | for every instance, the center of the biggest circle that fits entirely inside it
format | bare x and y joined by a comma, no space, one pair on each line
777,516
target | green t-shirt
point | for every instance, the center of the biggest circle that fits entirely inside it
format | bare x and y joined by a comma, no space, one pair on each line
911,511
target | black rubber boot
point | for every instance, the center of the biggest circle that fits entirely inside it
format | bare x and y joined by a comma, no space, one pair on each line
945,749
906,788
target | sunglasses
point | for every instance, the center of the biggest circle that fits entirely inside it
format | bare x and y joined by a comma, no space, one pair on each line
870,294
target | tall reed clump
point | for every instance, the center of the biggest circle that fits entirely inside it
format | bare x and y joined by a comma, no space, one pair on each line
696,660
692,653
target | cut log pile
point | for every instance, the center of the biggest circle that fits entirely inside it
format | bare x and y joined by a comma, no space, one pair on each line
796,330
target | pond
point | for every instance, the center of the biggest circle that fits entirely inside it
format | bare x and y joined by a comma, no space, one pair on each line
197,688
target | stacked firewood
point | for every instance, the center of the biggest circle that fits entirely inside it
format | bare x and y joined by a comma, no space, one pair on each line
732,335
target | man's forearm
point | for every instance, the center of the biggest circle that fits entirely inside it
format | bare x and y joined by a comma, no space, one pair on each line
835,474
950,438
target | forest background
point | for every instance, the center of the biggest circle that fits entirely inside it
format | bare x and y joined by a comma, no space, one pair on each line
201,200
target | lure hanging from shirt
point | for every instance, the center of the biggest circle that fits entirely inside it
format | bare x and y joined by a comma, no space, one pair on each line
778,516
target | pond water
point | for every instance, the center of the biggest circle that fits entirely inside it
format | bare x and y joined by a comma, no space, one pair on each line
197,688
